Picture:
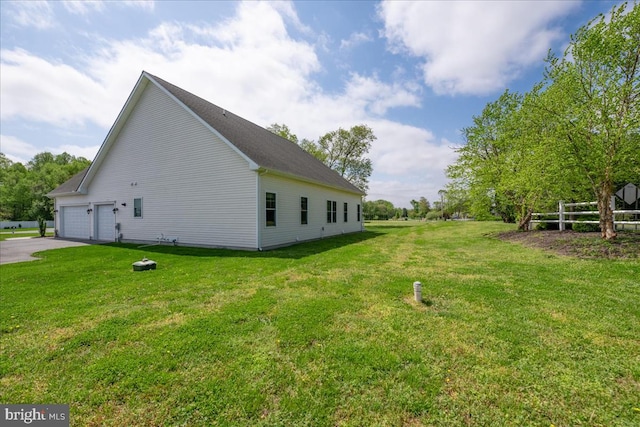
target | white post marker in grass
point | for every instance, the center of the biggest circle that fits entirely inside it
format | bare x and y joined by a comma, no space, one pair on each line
417,291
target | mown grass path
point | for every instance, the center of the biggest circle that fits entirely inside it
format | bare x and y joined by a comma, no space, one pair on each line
327,333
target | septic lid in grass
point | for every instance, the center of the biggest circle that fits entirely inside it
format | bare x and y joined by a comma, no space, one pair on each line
145,264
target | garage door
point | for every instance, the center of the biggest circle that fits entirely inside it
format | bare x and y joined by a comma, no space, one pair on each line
75,222
105,223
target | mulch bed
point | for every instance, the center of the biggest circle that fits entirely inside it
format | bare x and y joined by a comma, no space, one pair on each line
580,245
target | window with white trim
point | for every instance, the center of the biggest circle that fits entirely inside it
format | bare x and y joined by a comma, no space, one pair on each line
137,208
270,205
304,210
332,214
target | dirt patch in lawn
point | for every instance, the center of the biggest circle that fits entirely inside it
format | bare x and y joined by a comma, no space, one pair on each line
581,245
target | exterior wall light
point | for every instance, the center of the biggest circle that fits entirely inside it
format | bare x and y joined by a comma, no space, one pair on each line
89,210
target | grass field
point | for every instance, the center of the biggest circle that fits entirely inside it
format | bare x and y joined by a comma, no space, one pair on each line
327,333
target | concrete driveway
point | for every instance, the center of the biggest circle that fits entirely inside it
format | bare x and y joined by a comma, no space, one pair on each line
19,250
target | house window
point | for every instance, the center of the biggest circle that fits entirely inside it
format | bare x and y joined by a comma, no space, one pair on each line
137,208
358,212
332,214
303,210
346,212
271,209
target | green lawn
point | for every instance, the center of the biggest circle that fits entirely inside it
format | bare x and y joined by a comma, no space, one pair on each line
326,333
23,232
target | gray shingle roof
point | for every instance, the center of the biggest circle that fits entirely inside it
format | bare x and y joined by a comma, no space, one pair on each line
69,186
264,148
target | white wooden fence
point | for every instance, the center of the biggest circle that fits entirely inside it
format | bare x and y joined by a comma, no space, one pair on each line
22,224
566,215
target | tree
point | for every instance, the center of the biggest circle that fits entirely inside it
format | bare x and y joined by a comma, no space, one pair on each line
344,151
15,196
423,207
284,131
457,201
379,210
480,165
23,190
420,207
593,95
505,167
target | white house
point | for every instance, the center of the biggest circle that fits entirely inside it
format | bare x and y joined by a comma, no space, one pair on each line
176,168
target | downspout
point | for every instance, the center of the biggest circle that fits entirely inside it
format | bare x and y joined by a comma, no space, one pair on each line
55,217
361,213
259,174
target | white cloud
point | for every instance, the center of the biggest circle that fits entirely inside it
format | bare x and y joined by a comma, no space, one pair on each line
248,64
88,152
354,40
83,7
16,149
20,151
411,159
377,97
35,14
472,47
146,5
35,89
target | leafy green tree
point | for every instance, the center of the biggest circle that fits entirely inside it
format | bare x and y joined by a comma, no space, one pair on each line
480,165
380,210
345,152
508,167
342,150
23,190
457,201
15,196
593,96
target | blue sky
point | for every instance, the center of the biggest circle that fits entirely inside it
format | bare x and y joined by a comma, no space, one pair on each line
415,72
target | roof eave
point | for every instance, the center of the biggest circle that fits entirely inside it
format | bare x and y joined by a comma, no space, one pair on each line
65,194
309,181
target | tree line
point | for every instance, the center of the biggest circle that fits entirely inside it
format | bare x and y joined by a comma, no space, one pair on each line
343,150
575,136
24,188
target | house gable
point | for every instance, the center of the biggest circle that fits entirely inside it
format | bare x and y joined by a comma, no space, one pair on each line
200,175
190,183
264,148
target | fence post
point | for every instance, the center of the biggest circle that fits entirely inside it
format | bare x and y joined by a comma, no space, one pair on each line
613,208
561,215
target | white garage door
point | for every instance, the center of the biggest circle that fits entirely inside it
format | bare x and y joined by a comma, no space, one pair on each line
75,222
105,223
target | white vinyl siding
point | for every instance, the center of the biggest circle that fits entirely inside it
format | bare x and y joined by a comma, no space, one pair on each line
74,222
194,186
290,229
